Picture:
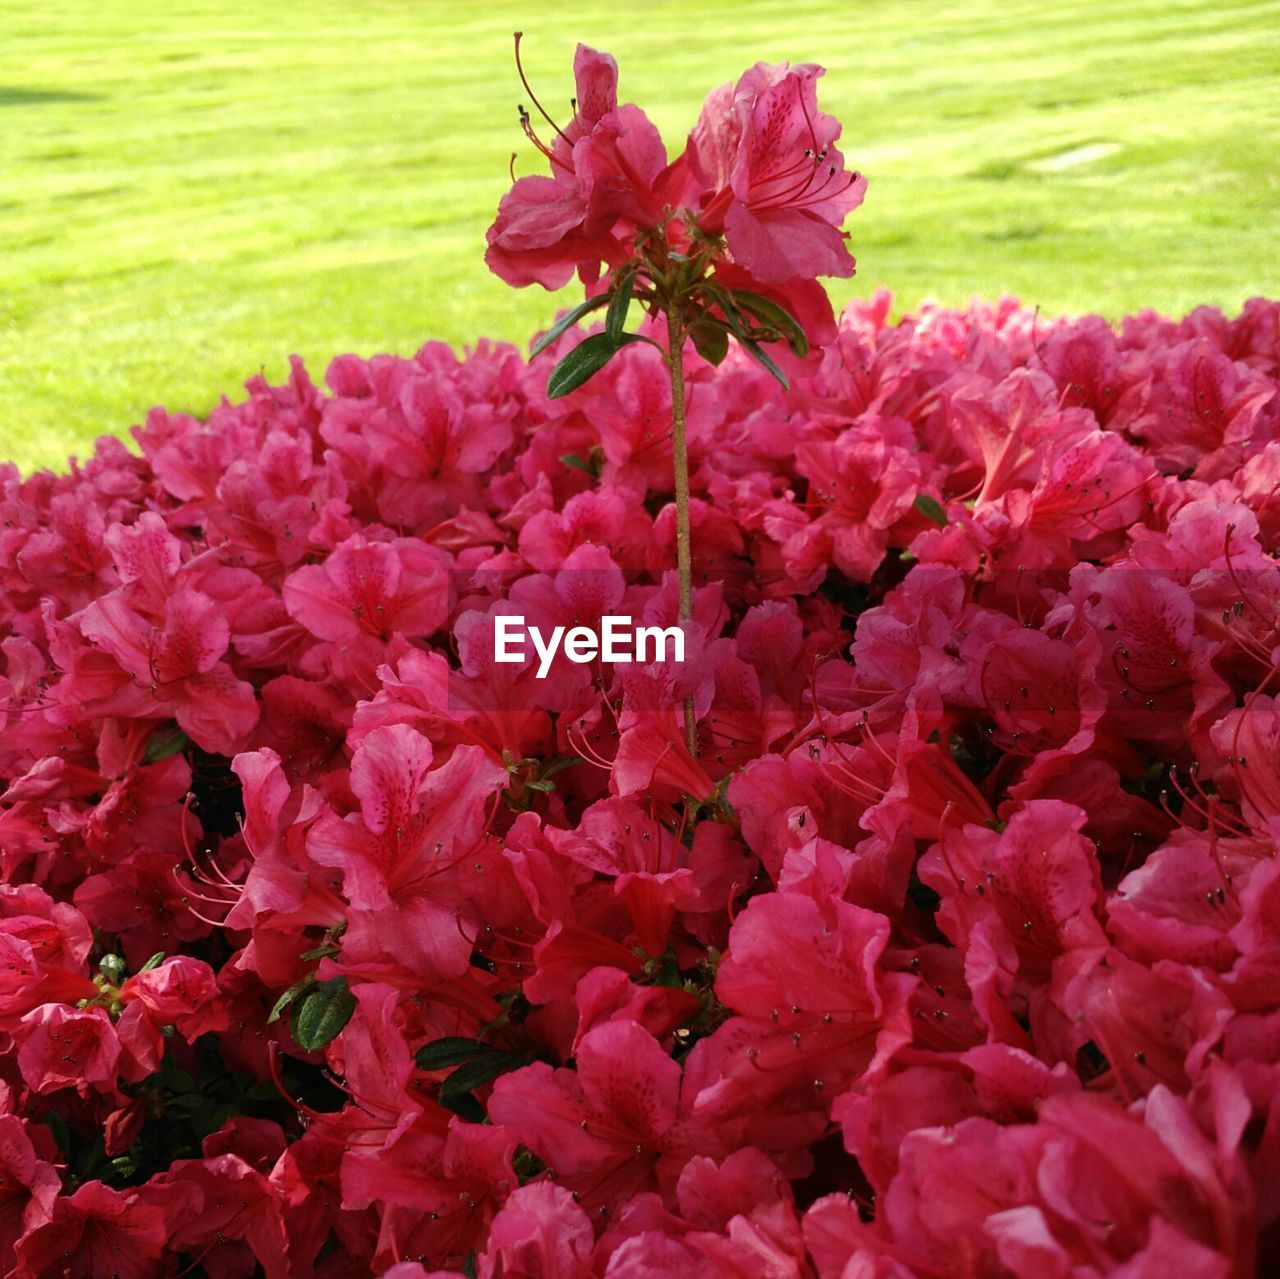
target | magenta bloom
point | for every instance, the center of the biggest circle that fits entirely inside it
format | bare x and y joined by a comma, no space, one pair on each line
160,641
764,169
29,1185
62,1048
95,1231
603,188
617,1124
399,854
760,168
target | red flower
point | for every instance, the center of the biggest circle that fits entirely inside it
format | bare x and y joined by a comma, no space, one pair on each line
540,1232
765,170
59,1047
94,1232
29,1186
604,189
615,1125
399,855
815,1009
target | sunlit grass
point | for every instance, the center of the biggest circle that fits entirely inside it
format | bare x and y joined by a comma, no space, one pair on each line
190,193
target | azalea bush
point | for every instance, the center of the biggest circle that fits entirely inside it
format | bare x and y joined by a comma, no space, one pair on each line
924,920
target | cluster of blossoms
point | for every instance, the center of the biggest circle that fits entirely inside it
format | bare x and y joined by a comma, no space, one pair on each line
334,947
946,943
754,202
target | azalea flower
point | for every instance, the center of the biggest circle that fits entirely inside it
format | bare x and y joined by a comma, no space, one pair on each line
765,171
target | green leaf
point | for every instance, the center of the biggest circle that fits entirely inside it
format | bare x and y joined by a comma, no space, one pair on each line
724,300
580,463
774,316
615,318
154,962
668,974
758,353
323,1011
165,742
585,360
452,1050
468,1108
931,509
737,326
710,339
560,764
320,952
474,1073
289,996
61,1132
566,322
178,1081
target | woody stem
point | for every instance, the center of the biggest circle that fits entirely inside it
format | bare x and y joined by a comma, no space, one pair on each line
680,452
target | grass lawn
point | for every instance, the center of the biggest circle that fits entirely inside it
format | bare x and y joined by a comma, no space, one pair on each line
190,190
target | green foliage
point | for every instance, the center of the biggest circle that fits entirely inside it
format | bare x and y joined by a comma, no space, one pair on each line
586,360
566,322
472,1063
170,740
178,1114
591,465
319,1013
619,303
931,509
774,317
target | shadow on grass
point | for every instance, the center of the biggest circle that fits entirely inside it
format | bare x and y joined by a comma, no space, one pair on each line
13,96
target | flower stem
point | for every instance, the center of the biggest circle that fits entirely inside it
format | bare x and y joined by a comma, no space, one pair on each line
680,452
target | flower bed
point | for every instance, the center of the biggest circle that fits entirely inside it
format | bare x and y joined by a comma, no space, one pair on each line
334,944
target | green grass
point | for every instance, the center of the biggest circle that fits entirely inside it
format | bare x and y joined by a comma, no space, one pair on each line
191,191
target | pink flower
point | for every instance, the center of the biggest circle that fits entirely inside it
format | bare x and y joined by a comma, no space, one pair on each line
763,168
616,839
29,1186
815,1008
371,591
180,992
413,438
860,485
142,901
605,165
167,631
399,855
1206,412
954,943
222,1209
1018,900
59,1047
614,1125
95,1231
438,1197
540,1232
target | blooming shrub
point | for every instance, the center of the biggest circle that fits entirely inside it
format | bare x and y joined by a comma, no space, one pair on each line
921,919
334,947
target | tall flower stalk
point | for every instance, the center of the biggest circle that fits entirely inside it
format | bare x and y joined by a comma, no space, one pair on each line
680,466
726,241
